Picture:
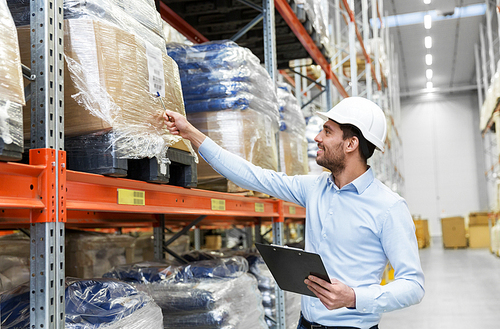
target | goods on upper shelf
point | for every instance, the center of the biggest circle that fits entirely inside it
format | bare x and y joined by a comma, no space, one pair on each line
293,143
11,89
318,15
115,68
14,260
90,304
217,293
372,46
230,97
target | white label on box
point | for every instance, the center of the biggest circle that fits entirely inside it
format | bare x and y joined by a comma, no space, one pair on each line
155,69
163,168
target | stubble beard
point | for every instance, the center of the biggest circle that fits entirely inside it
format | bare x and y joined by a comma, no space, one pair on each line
333,161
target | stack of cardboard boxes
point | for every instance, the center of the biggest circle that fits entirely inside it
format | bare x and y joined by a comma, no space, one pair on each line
472,231
422,232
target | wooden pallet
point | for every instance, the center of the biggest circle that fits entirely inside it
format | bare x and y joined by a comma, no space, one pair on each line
98,154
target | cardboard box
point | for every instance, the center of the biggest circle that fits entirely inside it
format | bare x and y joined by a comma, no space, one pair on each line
213,242
293,154
107,86
422,233
479,236
453,232
249,134
91,254
478,218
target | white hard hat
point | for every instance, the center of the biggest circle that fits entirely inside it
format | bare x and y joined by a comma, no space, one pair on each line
362,113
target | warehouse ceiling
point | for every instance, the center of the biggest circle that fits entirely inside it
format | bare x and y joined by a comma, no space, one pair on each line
454,32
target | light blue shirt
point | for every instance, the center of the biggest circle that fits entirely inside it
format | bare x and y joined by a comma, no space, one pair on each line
356,229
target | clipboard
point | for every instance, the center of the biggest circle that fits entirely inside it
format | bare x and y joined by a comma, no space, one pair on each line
291,266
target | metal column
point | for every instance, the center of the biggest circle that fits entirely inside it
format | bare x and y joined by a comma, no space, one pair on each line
478,76
352,51
483,58
269,38
278,224
366,37
490,38
159,238
47,280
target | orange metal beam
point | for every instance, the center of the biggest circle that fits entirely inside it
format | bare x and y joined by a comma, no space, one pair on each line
180,24
305,39
287,77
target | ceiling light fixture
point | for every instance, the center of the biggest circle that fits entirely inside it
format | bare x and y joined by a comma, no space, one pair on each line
427,2
428,42
428,59
427,21
428,74
429,85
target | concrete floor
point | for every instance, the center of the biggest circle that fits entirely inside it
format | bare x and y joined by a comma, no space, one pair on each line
462,292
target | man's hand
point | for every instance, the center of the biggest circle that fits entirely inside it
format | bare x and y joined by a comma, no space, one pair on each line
333,295
177,124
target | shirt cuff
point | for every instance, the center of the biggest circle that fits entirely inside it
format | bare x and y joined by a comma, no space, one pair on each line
208,149
364,301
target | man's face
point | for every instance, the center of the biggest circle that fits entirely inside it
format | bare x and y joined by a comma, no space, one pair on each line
331,147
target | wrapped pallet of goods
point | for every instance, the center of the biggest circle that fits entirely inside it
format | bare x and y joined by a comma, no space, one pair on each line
216,293
292,137
265,280
118,81
231,98
89,304
11,89
91,254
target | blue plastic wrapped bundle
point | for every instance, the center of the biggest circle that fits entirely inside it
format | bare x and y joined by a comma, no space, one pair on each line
293,143
90,304
230,97
215,293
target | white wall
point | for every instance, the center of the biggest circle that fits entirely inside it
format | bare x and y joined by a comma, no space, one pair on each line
443,157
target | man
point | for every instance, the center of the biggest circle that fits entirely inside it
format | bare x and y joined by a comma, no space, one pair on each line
353,221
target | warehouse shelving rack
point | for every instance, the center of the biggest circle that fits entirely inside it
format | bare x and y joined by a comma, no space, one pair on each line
46,197
487,55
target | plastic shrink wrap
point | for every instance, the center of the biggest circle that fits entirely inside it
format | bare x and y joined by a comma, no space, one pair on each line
91,254
293,143
230,97
89,304
11,88
113,75
258,268
14,260
217,293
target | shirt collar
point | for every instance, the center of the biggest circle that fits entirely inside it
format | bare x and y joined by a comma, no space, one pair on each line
360,184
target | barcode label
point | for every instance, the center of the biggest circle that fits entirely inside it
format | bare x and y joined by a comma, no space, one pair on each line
131,197
259,207
155,70
291,210
218,204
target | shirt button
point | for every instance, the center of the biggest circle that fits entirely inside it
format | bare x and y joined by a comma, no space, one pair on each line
338,192
331,212
324,236
364,310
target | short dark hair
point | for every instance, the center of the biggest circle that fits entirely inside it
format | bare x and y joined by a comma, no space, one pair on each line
366,148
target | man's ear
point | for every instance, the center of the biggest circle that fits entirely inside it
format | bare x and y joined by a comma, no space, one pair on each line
352,144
